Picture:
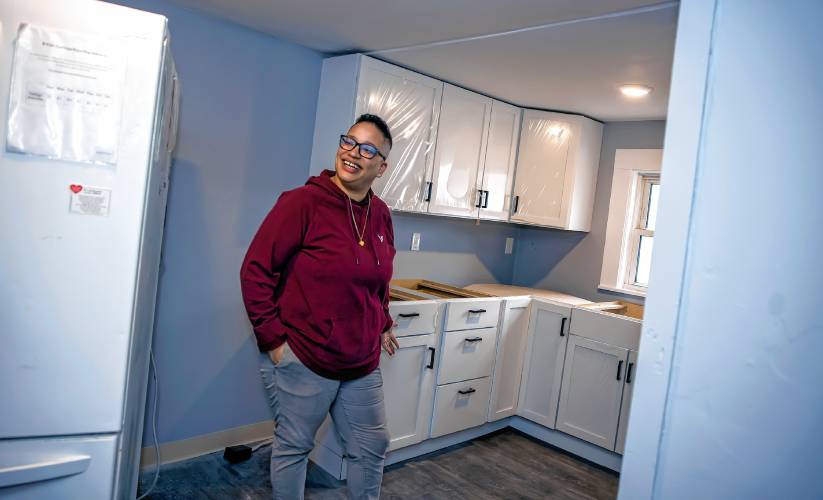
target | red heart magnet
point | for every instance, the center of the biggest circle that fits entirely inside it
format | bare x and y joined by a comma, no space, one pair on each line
76,188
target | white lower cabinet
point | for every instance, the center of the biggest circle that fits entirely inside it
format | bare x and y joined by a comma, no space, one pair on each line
543,365
467,354
591,391
625,406
460,405
408,387
508,365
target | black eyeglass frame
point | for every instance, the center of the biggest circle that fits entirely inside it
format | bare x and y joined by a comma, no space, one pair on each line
360,145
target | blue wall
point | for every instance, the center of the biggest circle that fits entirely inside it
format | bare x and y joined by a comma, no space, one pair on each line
570,262
248,106
455,251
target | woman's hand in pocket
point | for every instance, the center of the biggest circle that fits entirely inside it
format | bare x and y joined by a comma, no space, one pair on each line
276,354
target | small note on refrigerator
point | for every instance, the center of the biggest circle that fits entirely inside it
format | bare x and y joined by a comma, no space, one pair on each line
86,200
66,95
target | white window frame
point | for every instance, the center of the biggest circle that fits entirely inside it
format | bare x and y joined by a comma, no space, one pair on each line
631,166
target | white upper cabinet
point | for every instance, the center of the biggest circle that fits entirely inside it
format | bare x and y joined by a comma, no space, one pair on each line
498,169
556,170
460,153
475,157
408,102
461,149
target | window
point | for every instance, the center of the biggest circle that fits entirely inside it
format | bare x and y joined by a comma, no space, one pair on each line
632,220
641,240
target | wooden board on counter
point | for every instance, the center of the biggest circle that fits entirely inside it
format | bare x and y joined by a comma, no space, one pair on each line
618,307
439,290
498,290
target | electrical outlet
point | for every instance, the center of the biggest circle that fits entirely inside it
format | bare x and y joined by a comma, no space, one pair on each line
509,245
415,246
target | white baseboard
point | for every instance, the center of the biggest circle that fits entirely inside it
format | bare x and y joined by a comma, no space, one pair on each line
184,449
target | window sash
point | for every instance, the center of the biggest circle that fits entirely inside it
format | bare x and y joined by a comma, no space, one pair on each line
642,205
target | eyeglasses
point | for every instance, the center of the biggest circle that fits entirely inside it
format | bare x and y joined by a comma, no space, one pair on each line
368,151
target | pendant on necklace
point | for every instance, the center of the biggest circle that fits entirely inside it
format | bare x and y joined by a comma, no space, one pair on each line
362,243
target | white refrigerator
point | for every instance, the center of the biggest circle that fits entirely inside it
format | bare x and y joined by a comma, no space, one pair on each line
89,115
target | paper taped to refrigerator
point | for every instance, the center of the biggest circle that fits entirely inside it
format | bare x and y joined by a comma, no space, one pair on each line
86,200
66,91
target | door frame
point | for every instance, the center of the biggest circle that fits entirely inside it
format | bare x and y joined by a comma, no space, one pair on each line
661,323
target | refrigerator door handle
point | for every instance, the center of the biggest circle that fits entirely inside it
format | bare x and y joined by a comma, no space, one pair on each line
24,473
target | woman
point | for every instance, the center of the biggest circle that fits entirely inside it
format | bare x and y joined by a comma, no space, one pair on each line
315,283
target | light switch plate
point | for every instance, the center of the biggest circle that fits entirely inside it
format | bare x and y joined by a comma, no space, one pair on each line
415,246
509,245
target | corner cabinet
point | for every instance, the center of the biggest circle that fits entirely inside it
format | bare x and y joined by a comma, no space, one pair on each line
508,365
409,102
557,167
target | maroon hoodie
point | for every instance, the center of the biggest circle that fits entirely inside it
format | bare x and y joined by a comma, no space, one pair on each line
306,280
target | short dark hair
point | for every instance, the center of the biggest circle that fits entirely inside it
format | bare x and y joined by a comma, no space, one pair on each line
377,122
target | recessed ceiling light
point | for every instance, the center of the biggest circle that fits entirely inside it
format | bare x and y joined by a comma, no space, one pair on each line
635,90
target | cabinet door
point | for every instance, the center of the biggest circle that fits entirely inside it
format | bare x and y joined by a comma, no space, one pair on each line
543,368
625,405
410,105
508,365
498,169
540,183
461,147
408,389
590,395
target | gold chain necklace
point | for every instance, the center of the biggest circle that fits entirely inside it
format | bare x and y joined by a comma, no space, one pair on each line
365,222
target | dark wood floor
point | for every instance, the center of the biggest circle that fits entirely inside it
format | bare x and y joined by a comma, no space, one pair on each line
503,465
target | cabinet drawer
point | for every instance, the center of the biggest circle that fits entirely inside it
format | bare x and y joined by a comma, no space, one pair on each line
466,355
38,468
414,318
471,313
460,406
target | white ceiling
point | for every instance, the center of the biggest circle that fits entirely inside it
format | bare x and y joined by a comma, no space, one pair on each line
561,64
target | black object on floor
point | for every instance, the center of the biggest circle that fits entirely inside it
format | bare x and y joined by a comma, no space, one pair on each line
504,465
239,453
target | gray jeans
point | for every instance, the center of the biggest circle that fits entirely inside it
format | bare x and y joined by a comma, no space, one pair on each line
300,400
